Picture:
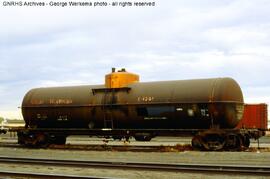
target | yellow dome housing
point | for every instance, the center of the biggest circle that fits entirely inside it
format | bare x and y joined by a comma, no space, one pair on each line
120,79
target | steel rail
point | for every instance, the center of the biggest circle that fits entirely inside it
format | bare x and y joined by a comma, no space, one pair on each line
8,173
206,168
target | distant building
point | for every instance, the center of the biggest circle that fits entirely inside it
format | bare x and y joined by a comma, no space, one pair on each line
10,123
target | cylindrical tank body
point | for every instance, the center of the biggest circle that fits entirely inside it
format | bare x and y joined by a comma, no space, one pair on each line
182,104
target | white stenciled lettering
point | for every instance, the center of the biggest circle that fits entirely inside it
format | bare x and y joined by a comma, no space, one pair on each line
60,101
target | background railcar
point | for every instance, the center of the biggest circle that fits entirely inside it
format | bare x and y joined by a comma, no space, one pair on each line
255,117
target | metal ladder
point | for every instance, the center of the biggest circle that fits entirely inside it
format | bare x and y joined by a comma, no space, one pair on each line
107,114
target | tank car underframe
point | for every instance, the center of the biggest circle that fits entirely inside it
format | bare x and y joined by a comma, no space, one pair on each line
203,139
216,139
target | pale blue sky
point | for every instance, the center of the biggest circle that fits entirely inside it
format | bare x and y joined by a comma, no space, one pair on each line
176,39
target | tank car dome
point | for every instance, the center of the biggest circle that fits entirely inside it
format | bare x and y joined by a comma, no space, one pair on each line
121,78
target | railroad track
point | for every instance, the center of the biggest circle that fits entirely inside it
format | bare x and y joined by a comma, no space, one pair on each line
181,167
